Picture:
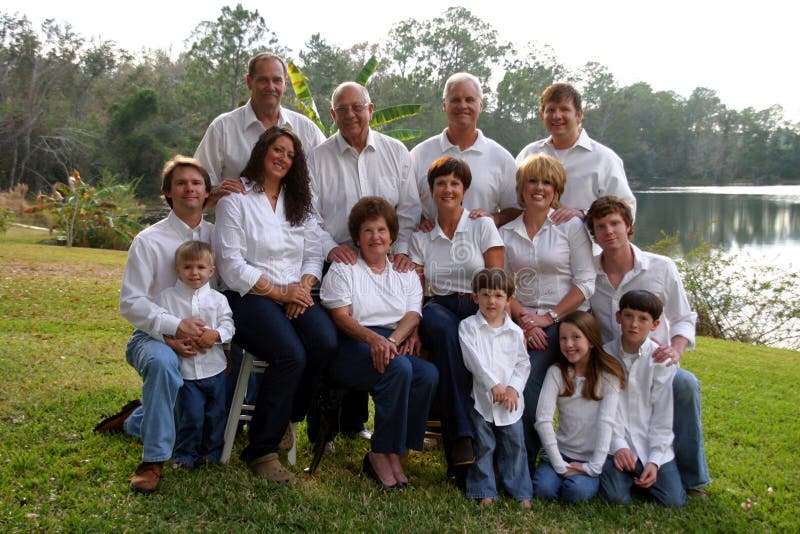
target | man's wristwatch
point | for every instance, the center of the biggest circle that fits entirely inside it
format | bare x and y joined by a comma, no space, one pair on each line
553,315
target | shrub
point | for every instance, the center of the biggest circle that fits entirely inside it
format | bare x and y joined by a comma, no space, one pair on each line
7,218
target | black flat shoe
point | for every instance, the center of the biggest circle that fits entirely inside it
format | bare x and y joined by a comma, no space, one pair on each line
371,473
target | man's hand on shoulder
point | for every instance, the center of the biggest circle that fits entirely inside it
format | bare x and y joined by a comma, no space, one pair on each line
343,254
563,213
228,186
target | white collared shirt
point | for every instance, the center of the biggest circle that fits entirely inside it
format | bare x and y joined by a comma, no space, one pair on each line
252,240
340,177
593,171
656,274
450,264
494,356
226,146
212,307
376,299
151,269
494,184
644,420
549,265
585,426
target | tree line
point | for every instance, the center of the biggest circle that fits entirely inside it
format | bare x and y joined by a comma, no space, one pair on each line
71,103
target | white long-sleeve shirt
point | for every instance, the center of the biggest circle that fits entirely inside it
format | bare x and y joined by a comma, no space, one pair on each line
585,426
549,265
151,269
212,307
644,418
226,146
656,274
593,171
494,184
252,240
340,177
494,356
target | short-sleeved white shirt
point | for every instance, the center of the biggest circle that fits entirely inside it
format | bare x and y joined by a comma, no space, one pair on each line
493,170
226,146
449,265
547,266
253,240
212,307
340,177
376,299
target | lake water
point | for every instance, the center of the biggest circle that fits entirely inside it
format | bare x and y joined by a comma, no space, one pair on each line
762,222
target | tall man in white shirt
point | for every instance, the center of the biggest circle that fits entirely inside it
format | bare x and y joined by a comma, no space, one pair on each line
226,145
593,170
493,188
353,163
623,267
159,334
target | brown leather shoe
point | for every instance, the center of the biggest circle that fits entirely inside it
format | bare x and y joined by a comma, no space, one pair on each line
115,423
147,477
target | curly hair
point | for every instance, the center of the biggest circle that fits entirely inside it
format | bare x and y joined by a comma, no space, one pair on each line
369,209
296,184
599,360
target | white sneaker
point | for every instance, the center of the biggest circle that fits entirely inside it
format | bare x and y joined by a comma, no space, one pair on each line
330,448
365,434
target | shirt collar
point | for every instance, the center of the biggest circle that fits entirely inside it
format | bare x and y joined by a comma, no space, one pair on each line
343,146
181,227
250,117
478,146
640,261
518,225
188,292
584,141
461,227
483,324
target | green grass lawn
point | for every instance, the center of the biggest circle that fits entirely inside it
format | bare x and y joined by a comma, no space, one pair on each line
62,366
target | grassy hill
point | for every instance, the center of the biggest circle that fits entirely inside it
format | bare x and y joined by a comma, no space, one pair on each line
62,365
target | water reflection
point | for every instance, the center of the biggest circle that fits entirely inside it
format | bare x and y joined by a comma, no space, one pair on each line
764,221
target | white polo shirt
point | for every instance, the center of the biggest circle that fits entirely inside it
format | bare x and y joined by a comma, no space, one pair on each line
212,307
450,264
494,185
549,265
226,146
340,177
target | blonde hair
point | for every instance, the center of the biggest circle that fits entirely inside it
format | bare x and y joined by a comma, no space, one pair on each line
543,167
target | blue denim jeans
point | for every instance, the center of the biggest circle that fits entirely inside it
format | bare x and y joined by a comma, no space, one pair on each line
402,394
201,420
547,484
616,485
509,443
154,421
541,360
439,334
687,424
297,350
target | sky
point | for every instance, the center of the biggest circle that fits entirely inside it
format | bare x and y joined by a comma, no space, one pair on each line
745,51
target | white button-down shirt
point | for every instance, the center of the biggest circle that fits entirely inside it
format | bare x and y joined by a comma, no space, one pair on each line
376,299
494,356
449,265
252,240
151,269
656,274
340,177
593,171
584,425
225,148
494,185
212,307
644,420
547,266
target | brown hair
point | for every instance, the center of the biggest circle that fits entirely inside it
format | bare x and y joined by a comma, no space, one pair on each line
447,165
265,56
193,250
173,163
369,209
642,301
493,278
543,167
599,360
605,206
296,183
558,92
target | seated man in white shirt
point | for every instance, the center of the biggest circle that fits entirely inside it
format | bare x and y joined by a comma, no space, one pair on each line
354,163
160,334
493,188
226,145
622,267
593,170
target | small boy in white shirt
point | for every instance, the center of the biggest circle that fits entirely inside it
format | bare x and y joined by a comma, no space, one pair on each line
201,401
641,444
494,352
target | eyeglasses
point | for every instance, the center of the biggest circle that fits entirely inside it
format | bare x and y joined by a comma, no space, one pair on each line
357,108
